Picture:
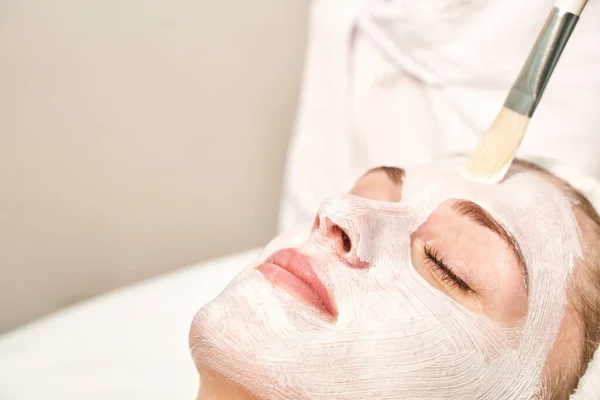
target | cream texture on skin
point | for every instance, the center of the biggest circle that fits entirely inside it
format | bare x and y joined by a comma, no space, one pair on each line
396,336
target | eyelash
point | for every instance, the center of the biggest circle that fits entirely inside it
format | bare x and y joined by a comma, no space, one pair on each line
448,276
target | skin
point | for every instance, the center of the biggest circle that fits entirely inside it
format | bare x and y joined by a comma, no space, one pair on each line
217,387
478,256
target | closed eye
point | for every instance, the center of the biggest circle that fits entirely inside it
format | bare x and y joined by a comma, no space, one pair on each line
445,273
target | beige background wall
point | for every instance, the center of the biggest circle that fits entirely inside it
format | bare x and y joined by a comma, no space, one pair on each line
137,137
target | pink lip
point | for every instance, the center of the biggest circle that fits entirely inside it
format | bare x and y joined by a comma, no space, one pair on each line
293,271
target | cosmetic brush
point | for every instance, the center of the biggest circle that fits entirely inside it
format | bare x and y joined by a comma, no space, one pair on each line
492,157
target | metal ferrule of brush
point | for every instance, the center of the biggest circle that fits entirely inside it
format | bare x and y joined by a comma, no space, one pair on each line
529,86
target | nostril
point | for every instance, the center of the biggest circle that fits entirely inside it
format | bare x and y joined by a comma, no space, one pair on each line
346,241
337,235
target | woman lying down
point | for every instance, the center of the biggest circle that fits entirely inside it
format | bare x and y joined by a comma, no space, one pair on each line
416,285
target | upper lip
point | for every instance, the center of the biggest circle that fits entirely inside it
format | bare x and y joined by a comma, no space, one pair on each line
301,266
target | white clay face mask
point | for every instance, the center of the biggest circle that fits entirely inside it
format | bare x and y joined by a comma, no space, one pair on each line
395,336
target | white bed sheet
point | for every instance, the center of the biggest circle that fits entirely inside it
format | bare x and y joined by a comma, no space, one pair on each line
128,344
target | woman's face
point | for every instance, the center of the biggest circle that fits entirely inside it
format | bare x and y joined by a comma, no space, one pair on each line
423,287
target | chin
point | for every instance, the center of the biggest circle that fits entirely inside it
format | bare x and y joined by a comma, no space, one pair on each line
246,324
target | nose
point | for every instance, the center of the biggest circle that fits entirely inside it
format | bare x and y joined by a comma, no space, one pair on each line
334,233
340,239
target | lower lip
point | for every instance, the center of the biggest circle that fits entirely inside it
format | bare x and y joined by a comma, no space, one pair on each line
293,285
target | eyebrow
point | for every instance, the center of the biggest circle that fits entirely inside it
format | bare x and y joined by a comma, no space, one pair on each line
478,215
395,174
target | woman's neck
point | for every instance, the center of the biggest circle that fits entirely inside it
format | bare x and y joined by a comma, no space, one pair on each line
214,386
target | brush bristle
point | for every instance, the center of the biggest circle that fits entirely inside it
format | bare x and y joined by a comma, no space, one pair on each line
496,150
